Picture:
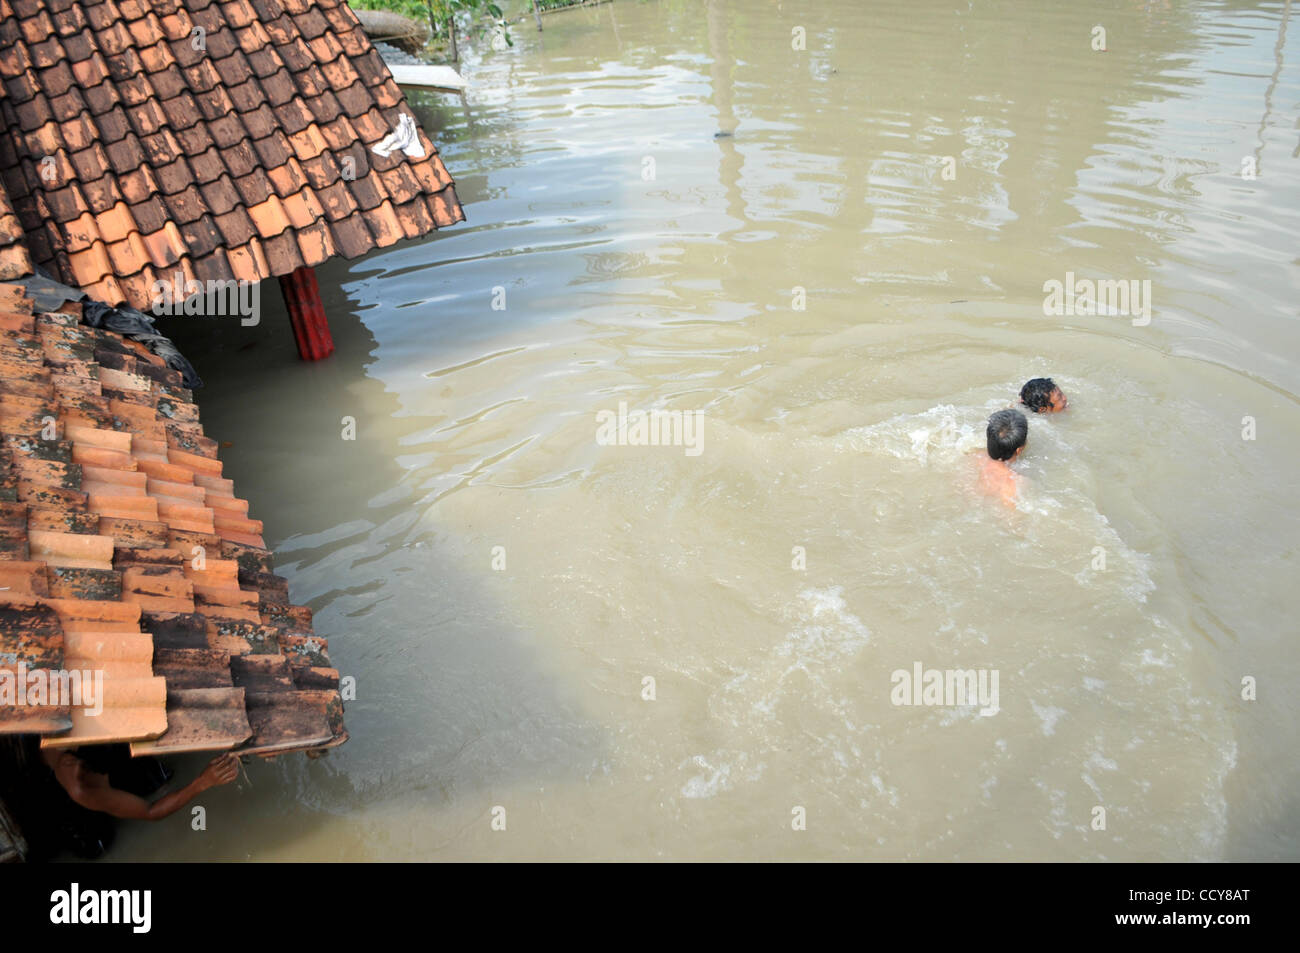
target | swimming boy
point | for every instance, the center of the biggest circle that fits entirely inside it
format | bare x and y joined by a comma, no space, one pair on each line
1042,396
1006,435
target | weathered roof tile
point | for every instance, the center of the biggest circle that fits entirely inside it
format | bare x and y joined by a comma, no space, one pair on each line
96,530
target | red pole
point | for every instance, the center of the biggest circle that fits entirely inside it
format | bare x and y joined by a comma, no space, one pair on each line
311,328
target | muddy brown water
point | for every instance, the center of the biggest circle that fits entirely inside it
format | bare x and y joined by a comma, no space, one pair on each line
843,307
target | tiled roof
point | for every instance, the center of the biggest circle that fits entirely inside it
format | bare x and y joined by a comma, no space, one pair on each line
15,261
123,550
129,155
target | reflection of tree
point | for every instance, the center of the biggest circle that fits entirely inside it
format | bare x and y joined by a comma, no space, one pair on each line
979,86
1272,85
721,69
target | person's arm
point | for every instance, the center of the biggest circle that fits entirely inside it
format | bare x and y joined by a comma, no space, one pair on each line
97,795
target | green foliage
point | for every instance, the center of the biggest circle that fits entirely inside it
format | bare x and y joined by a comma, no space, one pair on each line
415,9
472,17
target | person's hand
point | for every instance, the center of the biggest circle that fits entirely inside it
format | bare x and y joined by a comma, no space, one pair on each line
222,769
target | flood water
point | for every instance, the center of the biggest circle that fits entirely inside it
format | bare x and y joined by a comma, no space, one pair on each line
844,308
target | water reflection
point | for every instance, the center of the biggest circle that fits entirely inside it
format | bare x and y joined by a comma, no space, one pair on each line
923,303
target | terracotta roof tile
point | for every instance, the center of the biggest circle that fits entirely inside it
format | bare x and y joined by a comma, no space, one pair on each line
37,28
220,41
288,179
315,243
337,136
279,88
247,95
201,237
351,237
238,14
325,107
311,80
201,76
162,148
70,19
113,39
125,65
226,131
158,58
416,218
270,217
100,99
186,206
354,42
132,9
147,118
275,150
266,62
102,15
123,154
240,158
35,114
78,46
253,188
69,105
67,203
56,80
166,246
114,126
147,30
339,71
165,76
294,116
236,226
130,250
150,214
369,191
185,53
95,533
78,129
401,184
173,175
177,25
220,195
260,122
194,139
138,185
233,68
337,200
387,94
283,252
322,171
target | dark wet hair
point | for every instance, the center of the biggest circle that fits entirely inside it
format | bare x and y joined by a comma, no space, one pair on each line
1007,433
1037,394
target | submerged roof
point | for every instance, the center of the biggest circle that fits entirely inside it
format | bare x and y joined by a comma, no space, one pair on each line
216,138
123,550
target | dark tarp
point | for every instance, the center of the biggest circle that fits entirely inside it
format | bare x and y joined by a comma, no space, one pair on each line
49,295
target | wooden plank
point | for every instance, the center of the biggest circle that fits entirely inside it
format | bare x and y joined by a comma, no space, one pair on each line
442,78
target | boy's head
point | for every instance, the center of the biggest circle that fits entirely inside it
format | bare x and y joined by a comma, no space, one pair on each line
1008,430
1041,395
